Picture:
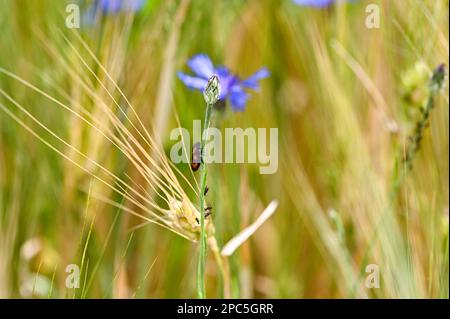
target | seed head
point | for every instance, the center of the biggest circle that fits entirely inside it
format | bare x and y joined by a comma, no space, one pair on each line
184,217
438,78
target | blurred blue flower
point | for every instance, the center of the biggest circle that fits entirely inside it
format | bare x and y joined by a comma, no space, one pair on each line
232,88
114,6
314,3
107,7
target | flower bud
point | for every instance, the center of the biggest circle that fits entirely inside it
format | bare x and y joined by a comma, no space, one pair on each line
212,90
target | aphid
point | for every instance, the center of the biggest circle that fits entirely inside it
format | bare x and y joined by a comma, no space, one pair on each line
196,159
206,190
208,211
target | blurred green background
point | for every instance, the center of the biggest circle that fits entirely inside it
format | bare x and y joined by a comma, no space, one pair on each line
345,99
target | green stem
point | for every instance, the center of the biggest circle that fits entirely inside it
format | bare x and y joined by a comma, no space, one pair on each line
202,253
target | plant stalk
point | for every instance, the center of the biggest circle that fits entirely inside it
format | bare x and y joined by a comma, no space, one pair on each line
203,246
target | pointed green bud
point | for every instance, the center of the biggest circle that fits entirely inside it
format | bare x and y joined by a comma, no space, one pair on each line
212,90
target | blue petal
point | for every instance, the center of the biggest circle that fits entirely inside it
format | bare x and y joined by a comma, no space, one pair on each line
314,3
201,65
110,6
226,80
252,81
238,98
193,82
115,6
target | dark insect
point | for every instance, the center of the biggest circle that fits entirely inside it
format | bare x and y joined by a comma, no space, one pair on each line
208,211
206,191
196,159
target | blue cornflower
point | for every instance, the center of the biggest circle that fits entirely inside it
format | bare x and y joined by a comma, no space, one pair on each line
114,6
107,7
314,3
231,86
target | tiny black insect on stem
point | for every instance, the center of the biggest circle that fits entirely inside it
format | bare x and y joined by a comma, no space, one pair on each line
208,211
